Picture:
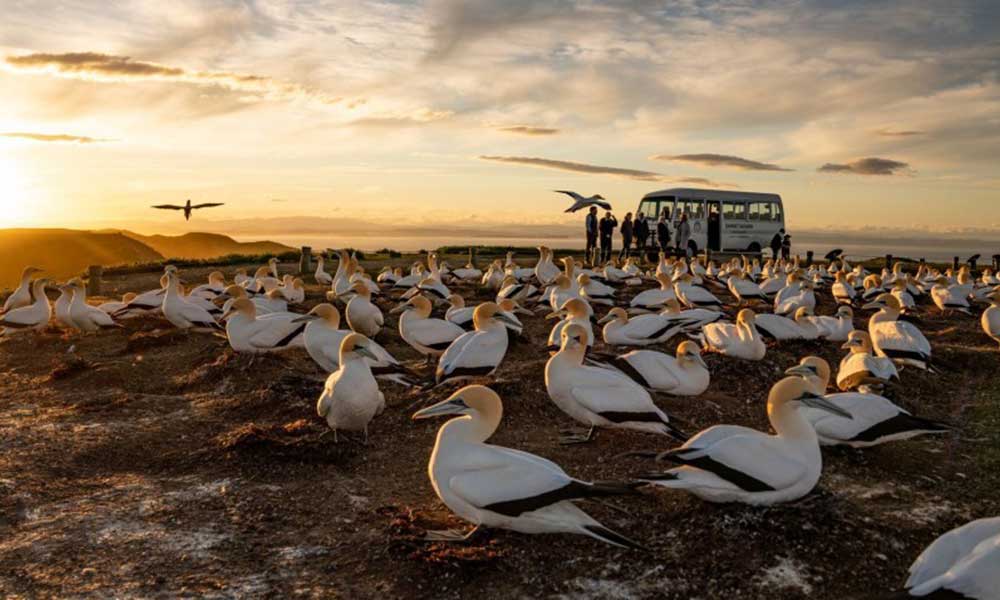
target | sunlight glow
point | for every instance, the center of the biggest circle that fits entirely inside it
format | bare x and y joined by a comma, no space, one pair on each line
15,208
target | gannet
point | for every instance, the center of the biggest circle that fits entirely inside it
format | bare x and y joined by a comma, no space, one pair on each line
430,337
581,202
511,309
467,273
561,291
247,333
990,320
187,207
804,319
642,330
342,276
575,311
293,290
199,301
321,276
360,276
215,286
182,313
950,297
780,328
458,313
899,340
900,290
145,302
351,398
836,328
265,305
860,367
804,297
597,396
843,292
744,290
431,288
61,307
595,291
262,281
694,296
363,316
493,276
545,269
960,564
741,340
691,319
241,278
683,375
874,419
33,317
387,275
512,289
477,352
22,294
113,306
730,463
493,486
872,287
655,298
85,317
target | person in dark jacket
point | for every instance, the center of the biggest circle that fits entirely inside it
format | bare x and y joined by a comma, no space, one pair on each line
641,231
776,244
591,227
627,230
663,231
607,228
786,247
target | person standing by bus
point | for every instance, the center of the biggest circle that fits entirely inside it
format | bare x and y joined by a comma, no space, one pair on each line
641,231
786,247
591,227
683,234
663,231
776,244
627,230
607,228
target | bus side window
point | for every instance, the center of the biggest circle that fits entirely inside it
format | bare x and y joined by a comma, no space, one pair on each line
754,211
696,209
734,211
775,211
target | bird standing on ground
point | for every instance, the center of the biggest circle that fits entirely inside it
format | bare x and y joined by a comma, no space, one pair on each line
22,295
477,352
351,398
34,316
187,207
493,486
182,313
363,316
430,337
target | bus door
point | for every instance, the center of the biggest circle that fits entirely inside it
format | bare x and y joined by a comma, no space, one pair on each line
714,225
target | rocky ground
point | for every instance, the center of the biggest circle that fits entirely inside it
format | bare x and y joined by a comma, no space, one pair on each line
149,463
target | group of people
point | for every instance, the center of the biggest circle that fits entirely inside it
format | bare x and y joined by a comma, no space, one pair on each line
636,235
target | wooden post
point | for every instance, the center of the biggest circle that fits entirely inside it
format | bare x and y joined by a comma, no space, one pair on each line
809,258
923,263
972,264
954,264
708,256
94,273
996,262
305,261
888,261
472,256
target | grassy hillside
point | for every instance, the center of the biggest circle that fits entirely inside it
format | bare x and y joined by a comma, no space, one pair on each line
66,252
204,245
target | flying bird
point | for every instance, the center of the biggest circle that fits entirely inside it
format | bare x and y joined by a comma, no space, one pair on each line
581,202
188,207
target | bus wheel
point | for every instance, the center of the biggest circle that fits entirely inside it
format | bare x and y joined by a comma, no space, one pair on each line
754,247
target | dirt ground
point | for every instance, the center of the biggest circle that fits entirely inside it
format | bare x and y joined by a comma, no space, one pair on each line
150,463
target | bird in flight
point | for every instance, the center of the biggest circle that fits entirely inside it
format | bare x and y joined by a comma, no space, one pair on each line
188,207
581,202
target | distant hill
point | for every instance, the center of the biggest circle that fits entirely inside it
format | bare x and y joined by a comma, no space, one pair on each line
67,252
204,245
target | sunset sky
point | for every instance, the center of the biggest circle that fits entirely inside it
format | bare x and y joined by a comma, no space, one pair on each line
426,112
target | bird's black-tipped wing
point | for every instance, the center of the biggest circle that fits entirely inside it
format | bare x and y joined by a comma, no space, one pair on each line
168,206
603,204
207,204
572,195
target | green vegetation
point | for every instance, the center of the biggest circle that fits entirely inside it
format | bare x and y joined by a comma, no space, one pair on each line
222,261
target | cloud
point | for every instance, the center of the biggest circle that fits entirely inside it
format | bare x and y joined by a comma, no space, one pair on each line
897,133
52,137
721,160
526,130
577,167
866,166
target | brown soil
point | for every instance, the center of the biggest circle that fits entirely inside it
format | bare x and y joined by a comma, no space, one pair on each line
152,463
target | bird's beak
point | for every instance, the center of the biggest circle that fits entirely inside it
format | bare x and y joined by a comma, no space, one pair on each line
451,406
849,344
816,401
556,315
365,352
399,309
872,306
801,371
305,318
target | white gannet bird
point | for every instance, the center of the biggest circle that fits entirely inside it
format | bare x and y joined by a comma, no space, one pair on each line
33,317
730,463
900,289
595,291
458,313
899,340
467,273
990,320
493,486
805,297
597,396
561,292
949,297
21,296
493,276
341,283
874,419
511,309
741,340
512,289
575,311
182,313
322,338
780,328
270,303
293,290
351,398
262,281
546,270
477,352
61,307
842,291
960,564
271,333
685,374
836,328
321,276
694,296
581,202
113,306
641,330
85,317
215,286
691,319
655,298
241,278
860,367
432,288
430,337
363,316
147,302
744,290
389,276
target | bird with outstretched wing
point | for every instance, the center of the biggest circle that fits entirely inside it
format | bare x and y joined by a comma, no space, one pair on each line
581,202
188,207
